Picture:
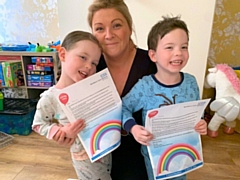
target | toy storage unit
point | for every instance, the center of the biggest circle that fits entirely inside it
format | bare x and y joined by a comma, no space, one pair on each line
17,116
39,72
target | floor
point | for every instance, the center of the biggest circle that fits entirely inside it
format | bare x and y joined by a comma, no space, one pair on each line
33,157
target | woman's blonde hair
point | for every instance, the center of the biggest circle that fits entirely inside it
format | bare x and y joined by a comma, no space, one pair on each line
119,5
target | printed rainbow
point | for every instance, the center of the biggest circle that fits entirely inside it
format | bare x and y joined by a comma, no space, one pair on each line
173,151
112,125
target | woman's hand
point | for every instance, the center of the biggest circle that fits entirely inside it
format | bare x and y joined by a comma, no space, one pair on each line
141,135
201,127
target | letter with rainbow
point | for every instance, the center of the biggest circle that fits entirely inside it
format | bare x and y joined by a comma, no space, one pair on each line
181,149
107,130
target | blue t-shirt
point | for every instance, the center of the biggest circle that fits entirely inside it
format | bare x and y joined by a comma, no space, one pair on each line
148,93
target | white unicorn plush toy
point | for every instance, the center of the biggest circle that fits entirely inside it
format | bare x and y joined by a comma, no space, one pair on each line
227,99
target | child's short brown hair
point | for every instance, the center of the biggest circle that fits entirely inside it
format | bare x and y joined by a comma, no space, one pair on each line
161,28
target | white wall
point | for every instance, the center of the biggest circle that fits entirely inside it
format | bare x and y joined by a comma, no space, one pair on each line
28,21
198,14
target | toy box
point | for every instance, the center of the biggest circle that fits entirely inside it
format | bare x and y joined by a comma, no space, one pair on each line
33,67
20,79
42,60
38,72
45,78
39,84
17,116
1,75
11,70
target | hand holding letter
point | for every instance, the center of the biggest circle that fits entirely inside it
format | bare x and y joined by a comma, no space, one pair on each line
72,129
201,127
141,135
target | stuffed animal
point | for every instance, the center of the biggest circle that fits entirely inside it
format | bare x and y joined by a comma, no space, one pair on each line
227,99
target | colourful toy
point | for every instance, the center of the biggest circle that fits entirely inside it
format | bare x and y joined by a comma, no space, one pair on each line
55,45
11,72
227,100
38,48
31,47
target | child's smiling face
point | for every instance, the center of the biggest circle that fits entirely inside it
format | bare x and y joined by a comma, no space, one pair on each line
171,54
80,61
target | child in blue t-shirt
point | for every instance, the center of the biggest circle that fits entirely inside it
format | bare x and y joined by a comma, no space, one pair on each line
168,48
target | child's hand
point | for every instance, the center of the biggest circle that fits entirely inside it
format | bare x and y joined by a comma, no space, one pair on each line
141,135
201,127
72,129
61,139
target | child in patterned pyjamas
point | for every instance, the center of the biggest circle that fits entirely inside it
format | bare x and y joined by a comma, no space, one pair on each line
79,55
168,48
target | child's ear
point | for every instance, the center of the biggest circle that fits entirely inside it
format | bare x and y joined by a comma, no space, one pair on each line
61,54
152,55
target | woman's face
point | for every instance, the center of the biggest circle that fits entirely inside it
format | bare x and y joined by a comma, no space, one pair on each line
111,29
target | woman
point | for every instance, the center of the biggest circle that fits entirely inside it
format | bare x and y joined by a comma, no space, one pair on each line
111,24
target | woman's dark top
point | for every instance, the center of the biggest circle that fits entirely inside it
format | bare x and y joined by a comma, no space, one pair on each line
127,161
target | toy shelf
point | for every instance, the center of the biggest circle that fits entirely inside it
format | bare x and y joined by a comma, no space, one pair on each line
25,59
